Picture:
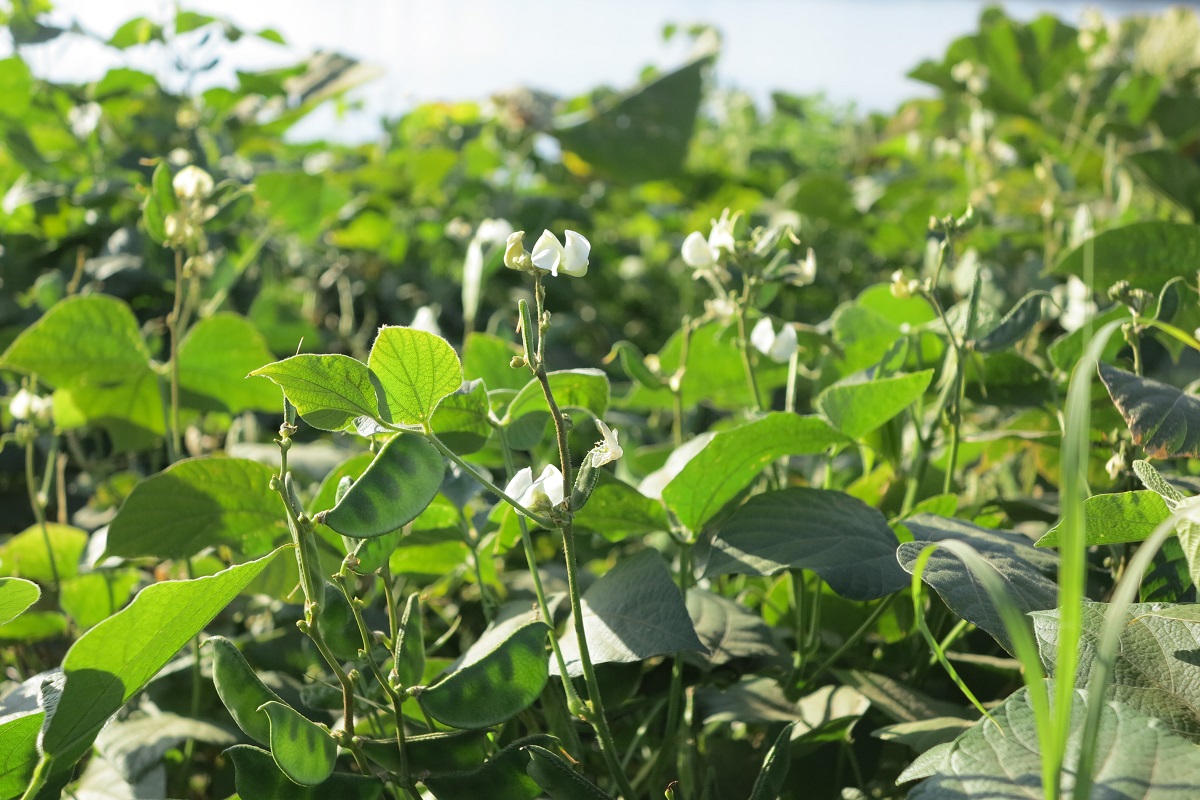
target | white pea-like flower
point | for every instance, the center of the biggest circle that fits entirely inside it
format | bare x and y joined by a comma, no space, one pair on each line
192,183
607,449
721,235
775,346
537,495
27,406
696,252
551,256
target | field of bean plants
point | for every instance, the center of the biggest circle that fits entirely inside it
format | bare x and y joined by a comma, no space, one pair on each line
651,443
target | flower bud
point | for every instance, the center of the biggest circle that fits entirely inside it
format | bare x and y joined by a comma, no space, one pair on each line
192,183
515,256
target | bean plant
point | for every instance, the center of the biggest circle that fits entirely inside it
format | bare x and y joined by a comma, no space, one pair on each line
799,455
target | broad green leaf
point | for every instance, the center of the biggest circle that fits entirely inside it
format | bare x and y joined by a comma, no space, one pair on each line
331,392
1026,571
617,510
1117,518
416,369
25,555
1162,419
199,503
758,699
501,776
1015,325
644,134
1147,254
91,598
305,204
1155,671
398,485
923,735
114,660
214,359
632,612
34,626
634,364
88,339
16,595
1136,757
1065,351
842,539
488,357
896,699
558,778
775,767
462,420
572,388
1173,175
19,752
303,750
734,458
856,407
728,630
500,685
258,778
1155,482
129,410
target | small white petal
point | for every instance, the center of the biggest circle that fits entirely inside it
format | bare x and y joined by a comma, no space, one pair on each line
192,183
763,336
21,406
547,253
721,236
575,254
784,345
696,252
550,484
520,485
607,449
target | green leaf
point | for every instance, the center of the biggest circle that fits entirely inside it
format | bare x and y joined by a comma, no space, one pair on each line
258,778
1155,671
896,699
19,746
1137,757
1065,351
634,364
1173,175
409,663
572,388
923,735
502,776
240,689
16,595
842,539
25,555
114,660
214,358
94,596
34,626
856,406
198,503
1015,325
728,630
398,485
775,768
734,458
644,134
1024,569
139,30
617,510
462,420
500,685
1161,250
1156,483
486,356
1162,419
558,779
90,348
1117,518
331,392
303,750
632,612
416,369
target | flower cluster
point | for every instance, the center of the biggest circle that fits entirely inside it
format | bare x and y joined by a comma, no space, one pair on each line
549,254
701,253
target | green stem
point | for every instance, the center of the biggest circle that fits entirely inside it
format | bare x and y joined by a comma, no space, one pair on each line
596,715
37,503
491,487
174,326
858,634
744,351
40,773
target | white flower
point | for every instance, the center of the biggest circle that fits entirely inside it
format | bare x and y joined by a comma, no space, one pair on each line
544,493
806,271
607,449
1076,301
777,347
551,256
192,183
696,252
493,231
426,319
721,235
28,406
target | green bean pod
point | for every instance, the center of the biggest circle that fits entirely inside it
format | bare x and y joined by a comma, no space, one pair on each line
240,689
410,645
557,779
402,480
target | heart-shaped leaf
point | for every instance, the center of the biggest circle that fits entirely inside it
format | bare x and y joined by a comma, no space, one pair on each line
416,369
331,392
1162,419
842,539
214,358
16,595
856,407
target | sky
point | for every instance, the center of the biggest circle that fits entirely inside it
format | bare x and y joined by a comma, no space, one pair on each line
853,51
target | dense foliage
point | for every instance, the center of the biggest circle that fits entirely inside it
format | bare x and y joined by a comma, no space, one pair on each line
805,455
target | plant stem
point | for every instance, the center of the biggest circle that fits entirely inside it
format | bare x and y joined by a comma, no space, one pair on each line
744,349
37,503
491,487
174,326
862,631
